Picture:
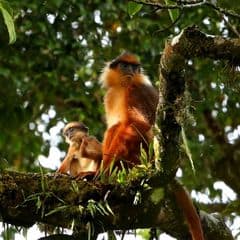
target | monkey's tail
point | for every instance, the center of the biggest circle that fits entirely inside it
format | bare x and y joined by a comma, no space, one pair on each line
185,203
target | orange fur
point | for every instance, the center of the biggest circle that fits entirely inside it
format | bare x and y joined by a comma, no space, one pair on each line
129,118
189,211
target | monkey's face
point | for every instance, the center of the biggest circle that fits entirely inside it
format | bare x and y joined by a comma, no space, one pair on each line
125,68
121,71
74,130
73,135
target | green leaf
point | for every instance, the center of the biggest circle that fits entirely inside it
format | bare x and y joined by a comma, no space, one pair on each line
57,209
143,156
102,210
133,8
8,19
173,13
157,195
90,228
38,203
109,208
111,167
6,5
187,150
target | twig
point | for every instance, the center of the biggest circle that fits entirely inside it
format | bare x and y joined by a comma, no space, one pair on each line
232,28
172,24
188,4
222,10
162,6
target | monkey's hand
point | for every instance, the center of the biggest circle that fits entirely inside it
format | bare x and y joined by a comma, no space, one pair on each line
91,148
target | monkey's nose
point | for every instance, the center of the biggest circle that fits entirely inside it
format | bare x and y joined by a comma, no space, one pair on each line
133,69
127,69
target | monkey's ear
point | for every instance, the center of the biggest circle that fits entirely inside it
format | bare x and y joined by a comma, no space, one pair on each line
114,63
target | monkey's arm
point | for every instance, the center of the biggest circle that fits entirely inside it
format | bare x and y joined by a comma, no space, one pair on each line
143,100
91,148
65,165
139,121
74,167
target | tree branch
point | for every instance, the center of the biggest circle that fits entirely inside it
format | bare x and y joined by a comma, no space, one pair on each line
188,4
27,198
224,208
188,44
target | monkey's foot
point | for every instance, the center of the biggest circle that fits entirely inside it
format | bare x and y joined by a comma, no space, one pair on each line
89,175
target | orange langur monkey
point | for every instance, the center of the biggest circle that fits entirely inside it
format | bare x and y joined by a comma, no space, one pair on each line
84,152
130,105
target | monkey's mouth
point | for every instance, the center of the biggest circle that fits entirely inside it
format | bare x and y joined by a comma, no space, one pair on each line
126,79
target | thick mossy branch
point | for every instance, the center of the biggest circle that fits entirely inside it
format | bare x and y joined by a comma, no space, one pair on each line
172,87
188,44
27,198
194,43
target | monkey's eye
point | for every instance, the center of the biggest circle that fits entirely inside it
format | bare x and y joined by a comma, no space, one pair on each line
123,65
136,68
69,131
129,67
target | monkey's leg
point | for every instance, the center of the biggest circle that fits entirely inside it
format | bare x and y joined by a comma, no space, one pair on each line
123,142
89,175
109,135
65,165
108,138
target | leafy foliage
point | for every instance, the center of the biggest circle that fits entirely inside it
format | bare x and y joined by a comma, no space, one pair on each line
7,13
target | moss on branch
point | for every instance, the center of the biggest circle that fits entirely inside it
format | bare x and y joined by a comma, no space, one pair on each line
27,198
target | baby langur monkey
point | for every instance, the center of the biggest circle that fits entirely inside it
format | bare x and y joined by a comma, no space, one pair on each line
84,153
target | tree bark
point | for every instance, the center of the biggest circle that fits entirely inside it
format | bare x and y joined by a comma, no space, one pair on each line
28,198
188,44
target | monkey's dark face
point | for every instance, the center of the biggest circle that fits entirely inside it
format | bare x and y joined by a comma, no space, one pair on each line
122,71
126,64
126,68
